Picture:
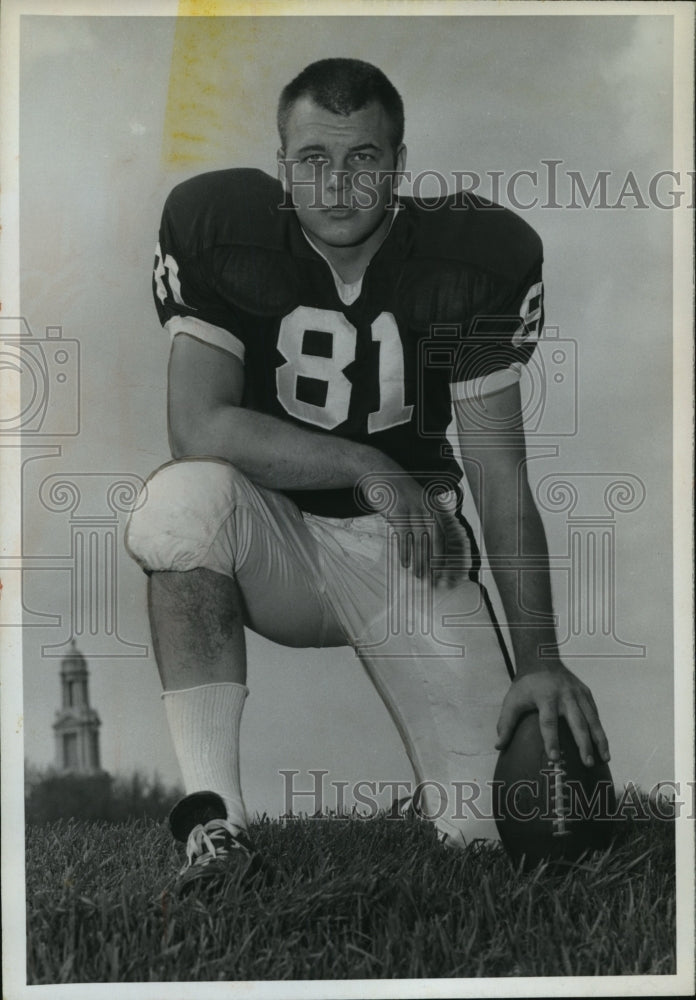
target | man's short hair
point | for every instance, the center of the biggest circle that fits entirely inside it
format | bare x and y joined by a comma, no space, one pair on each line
343,86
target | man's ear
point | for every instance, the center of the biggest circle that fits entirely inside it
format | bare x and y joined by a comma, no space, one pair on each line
399,164
280,164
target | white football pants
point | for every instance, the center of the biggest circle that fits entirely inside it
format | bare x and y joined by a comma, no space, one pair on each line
432,652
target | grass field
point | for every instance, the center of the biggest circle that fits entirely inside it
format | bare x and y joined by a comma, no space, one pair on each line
355,899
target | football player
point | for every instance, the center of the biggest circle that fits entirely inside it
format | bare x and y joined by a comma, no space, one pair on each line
325,333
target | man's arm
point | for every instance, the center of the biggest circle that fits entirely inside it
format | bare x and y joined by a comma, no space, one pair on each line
206,417
491,436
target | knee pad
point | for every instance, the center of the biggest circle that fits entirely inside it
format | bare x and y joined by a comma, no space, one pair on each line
181,510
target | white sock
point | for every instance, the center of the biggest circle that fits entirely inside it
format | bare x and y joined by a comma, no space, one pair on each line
204,724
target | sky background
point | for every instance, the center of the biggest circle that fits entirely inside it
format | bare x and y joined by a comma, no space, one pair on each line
115,111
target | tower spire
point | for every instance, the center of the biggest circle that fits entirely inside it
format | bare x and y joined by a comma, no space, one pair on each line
77,724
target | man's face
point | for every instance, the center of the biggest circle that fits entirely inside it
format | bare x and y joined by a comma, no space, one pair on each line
330,167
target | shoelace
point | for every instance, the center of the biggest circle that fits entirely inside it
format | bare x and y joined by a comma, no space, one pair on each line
202,839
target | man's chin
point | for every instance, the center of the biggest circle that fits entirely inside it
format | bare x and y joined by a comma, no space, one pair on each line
342,229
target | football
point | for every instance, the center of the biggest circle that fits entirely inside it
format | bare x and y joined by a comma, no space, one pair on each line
551,811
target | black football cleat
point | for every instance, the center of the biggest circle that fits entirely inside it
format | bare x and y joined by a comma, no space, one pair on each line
219,856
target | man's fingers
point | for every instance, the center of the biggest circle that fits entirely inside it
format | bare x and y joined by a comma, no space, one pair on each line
599,737
428,551
440,561
439,547
400,546
548,723
509,716
583,719
413,547
451,550
408,550
590,698
430,548
581,733
405,546
553,695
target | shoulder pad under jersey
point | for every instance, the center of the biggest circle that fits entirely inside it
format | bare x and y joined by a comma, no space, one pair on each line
230,223
467,257
477,232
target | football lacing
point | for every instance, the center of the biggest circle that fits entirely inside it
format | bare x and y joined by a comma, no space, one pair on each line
559,798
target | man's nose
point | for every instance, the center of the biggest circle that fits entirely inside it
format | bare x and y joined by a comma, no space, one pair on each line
337,179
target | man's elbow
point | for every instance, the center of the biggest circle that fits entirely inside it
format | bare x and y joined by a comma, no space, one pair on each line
181,449
219,430
182,445
189,435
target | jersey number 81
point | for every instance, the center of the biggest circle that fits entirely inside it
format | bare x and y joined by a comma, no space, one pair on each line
330,370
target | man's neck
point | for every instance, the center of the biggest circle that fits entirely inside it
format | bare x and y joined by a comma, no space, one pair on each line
351,262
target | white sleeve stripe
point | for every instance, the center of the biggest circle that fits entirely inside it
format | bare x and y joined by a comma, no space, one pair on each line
217,336
485,385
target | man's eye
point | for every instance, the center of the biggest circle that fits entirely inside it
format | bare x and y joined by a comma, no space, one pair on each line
314,158
363,157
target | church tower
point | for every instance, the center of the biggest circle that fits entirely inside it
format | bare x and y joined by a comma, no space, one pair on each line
77,724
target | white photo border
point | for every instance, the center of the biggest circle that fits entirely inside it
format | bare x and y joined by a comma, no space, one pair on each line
14,943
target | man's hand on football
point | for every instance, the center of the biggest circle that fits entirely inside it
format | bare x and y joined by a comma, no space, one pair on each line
554,691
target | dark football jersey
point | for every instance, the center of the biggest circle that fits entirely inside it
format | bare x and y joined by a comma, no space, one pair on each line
452,297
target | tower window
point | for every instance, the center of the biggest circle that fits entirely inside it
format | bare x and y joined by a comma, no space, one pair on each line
70,751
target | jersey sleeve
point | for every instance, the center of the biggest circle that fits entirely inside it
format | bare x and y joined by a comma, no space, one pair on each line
501,338
182,285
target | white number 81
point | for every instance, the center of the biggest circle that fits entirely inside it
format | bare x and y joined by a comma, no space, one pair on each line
330,370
